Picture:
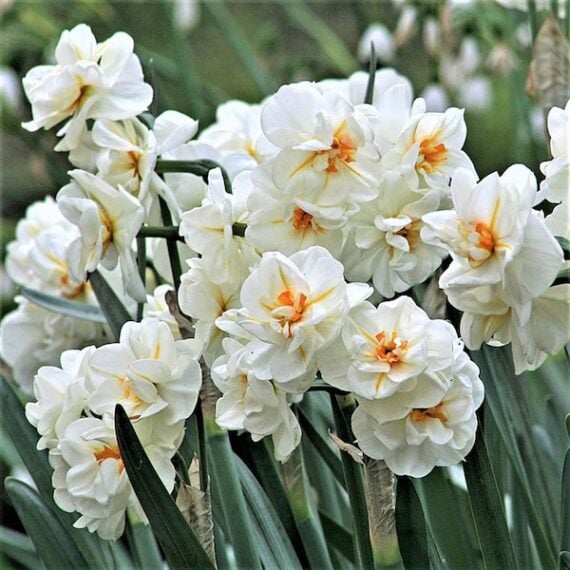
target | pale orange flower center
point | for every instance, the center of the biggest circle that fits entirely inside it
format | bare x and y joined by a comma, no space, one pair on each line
390,350
109,452
301,219
435,413
432,154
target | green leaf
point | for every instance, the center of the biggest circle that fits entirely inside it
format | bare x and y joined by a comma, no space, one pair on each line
565,560
19,548
114,311
565,505
411,526
369,96
143,546
321,446
565,245
180,545
337,536
53,544
225,481
66,307
487,506
267,520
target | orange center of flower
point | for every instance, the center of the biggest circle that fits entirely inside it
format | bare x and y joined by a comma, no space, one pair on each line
107,229
297,304
133,160
342,149
486,237
390,350
109,452
412,233
435,413
301,219
432,154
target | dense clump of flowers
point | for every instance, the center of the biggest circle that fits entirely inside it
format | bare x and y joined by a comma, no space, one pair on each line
318,211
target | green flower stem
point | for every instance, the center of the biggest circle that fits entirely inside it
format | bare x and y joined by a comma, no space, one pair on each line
198,167
171,245
532,18
226,483
381,501
167,232
306,519
343,406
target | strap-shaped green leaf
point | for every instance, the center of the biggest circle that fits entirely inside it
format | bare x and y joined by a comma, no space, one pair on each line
180,545
487,506
66,307
267,520
565,509
198,167
337,536
411,526
111,306
19,548
53,544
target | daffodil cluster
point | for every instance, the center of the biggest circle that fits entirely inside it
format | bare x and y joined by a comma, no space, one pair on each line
316,211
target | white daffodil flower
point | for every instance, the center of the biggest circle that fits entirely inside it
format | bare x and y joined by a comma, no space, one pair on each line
201,298
385,241
148,372
108,220
90,477
252,404
433,424
31,337
129,151
156,307
557,171
293,307
428,151
384,349
238,137
60,396
325,145
208,229
90,81
287,224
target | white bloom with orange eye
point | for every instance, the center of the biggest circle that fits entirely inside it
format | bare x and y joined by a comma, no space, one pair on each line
208,229
237,136
252,404
129,150
385,244
293,308
432,425
90,81
60,396
326,155
31,337
384,349
557,171
428,151
201,298
108,220
90,477
289,225
148,372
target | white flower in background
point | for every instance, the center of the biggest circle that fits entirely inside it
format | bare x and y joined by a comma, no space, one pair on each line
432,425
201,298
252,404
289,224
148,372
208,229
476,93
90,81
406,26
129,151
557,171
432,36
379,36
435,97
388,349
429,150
293,307
156,307
31,336
237,136
60,396
326,155
90,477
385,243
187,13
108,220
495,238
10,91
